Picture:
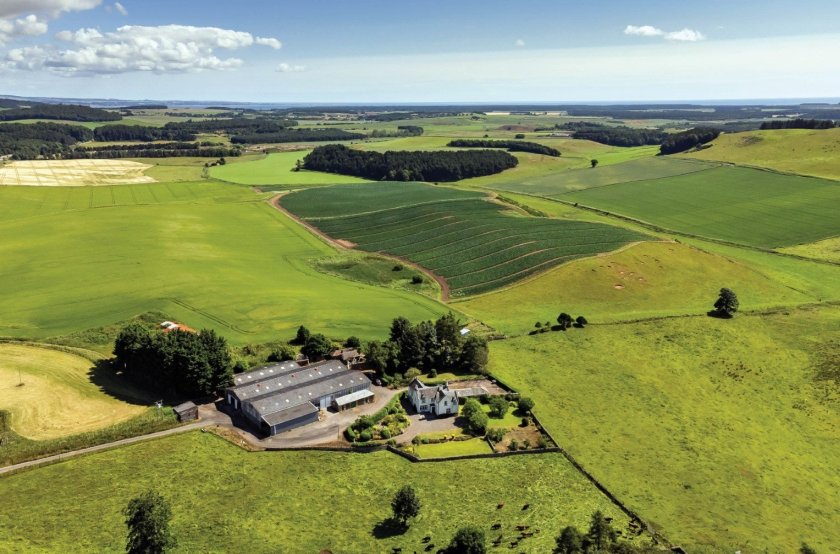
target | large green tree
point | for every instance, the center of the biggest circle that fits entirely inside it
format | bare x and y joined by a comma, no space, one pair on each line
317,347
601,534
474,355
569,541
147,517
405,504
727,302
468,540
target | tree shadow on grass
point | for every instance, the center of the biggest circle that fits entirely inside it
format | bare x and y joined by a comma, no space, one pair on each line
389,527
719,314
114,383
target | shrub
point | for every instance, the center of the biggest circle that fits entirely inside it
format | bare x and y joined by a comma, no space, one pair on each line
398,267
519,136
433,373
477,423
513,445
526,444
240,366
385,433
498,407
525,422
542,442
353,342
496,434
412,373
281,354
416,280
525,405
365,435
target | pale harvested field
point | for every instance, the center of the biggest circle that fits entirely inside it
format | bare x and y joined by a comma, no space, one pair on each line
73,173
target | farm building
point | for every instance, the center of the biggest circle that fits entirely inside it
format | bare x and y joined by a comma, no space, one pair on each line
349,356
438,400
284,396
186,411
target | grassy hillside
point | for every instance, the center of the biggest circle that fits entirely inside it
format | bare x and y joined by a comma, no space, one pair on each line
277,169
207,254
722,432
263,502
474,244
745,206
649,279
828,249
805,151
58,396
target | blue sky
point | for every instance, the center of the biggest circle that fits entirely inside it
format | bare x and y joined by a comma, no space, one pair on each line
420,51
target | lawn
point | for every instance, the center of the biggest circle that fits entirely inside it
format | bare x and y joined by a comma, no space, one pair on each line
805,151
476,245
745,206
649,279
723,433
277,169
206,254
58,396
447,449
261,502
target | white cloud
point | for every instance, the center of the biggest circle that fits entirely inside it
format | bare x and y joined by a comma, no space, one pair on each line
270,42
162,49
684,35
120,8
289,68
519,43
30,25
13,8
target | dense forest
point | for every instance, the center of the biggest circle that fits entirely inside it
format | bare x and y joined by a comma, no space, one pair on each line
680,142
511,145
408,166
615,136
69,112
402,131
154,150
26,141
189,364
295,135
232,126
114,133
799,123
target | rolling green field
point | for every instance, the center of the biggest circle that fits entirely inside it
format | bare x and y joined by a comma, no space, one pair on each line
556,184
260,502
805,151
828,249
206,254
650,279
57,397
723,433
745,206
277,169
474,244
469,447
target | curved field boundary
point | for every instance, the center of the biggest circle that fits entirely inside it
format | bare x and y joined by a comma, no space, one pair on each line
209,316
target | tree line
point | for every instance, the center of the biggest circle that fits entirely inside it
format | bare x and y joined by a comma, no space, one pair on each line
427,346
69,112
295,135
685,140
408,166
402,131
233,126
153,150
26,141
619,136
511,145
114,133
181,362
799,123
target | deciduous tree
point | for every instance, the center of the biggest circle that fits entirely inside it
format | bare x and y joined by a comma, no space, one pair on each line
147,517
405,504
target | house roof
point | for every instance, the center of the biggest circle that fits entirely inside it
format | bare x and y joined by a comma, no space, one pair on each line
353,397
263,373
345,354
282,399
289,414
289,379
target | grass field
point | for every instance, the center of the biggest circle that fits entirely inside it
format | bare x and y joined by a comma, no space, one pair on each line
70,173
58,397
741,205
557,184
828,249
805,151
474,244
650,279
207,254
277,169
261,502
469,447
723,433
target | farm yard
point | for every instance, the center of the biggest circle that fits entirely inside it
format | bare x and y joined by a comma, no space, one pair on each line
730,421
73,173
741,205
199,473
474,244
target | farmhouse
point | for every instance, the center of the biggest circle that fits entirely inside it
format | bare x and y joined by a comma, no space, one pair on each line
283,396
438,400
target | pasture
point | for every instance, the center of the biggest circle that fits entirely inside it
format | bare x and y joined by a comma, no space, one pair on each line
474,244
741,205
804,151
262,501
58,397
207,254
723,433
650,279
828,249
277,169
73,173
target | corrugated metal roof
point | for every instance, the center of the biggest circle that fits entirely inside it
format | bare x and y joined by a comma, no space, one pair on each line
310,392
353,397
188,405
291,378
264,373
289,414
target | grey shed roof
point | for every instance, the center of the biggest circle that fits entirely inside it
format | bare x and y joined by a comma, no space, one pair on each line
263,373
353,397
284,399
290,378
471,391
185,407
289,414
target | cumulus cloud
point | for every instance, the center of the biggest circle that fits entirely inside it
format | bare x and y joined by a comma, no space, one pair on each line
270,42
162,49
683,35
120,8
13,8
290,68
519,43
31,25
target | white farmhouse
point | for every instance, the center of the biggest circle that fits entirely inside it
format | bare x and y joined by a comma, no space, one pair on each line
438,400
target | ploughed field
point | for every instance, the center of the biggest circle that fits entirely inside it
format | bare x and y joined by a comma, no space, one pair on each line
475,244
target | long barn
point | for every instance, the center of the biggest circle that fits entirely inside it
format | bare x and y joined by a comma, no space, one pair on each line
283,396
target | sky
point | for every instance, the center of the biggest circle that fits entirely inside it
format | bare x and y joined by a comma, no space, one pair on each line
378,51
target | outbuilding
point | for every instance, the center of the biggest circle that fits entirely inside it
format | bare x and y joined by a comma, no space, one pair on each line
187,411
